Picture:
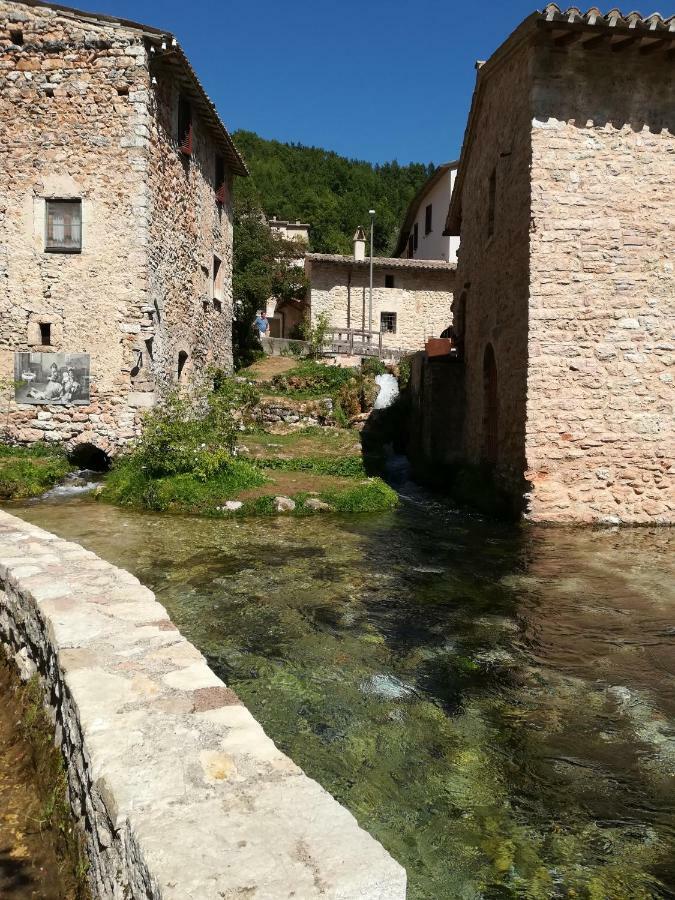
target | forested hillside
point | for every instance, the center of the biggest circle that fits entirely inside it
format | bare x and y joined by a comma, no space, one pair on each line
330,192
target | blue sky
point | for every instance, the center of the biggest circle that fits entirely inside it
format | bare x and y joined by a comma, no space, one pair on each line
369,79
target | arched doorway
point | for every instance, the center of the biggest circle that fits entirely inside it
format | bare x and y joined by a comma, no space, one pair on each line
490,407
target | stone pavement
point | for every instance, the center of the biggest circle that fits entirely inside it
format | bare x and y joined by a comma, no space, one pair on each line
178,790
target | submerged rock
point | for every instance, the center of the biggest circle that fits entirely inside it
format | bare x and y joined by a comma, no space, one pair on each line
386,686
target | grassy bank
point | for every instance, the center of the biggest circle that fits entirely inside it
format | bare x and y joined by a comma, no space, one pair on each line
30,471
198,455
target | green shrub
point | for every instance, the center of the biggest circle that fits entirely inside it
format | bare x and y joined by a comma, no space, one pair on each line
372,366
370,496
29,471
126,485
312,378
344,466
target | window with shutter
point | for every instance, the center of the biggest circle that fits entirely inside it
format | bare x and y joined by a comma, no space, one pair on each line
184,126
63,227
219,180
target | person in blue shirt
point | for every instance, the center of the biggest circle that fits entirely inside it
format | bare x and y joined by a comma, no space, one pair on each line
262,324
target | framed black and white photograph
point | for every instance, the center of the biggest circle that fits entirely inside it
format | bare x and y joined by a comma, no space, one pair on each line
52,378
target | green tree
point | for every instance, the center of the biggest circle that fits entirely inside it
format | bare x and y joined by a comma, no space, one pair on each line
261,269
330,192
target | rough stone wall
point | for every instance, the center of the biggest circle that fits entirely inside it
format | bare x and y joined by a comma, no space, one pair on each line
422,300
600,433
176,787
492,271
79,118
66,132
436,414
187,228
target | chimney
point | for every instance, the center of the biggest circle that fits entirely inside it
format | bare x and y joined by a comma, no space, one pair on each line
360,243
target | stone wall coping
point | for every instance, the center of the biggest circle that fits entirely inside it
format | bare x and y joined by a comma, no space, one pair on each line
179,791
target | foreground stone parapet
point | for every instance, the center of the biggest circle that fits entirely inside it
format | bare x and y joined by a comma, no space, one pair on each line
179,792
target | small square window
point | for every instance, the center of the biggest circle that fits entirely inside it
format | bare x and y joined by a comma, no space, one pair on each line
388,323
389,281
16,36
45,334
217,277
427,219
63,226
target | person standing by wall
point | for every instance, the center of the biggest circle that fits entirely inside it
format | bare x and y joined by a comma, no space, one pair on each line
262,325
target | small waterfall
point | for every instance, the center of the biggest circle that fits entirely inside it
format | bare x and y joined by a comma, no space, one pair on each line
388,391
80,482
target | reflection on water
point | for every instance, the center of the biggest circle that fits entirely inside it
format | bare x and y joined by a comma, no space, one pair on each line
495,704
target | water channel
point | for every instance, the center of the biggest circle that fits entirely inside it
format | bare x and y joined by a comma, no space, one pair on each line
496,704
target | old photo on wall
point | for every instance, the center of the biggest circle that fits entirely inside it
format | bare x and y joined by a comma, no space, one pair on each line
52,378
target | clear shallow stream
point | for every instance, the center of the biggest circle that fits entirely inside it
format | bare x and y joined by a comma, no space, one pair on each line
495,704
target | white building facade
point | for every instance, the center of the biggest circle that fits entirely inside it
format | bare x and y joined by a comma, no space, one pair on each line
421,235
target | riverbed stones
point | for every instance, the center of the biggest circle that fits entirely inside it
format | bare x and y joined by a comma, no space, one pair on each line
177,789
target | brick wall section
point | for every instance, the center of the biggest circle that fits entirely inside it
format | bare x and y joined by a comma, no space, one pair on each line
151,224
600,438
422,300
84,141
493,272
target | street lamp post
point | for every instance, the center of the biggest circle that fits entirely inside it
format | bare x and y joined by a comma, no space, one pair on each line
371,212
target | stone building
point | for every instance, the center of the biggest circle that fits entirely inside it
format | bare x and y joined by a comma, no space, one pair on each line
285,315
412,298
115,223
565,299
422,234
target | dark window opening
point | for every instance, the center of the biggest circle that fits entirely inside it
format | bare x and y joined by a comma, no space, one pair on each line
45,334
123,90
219,180
388,323
49,92
217,278
63,226
427,219
184,126
411,247
492,199
389,281
182,359
416,236
16,36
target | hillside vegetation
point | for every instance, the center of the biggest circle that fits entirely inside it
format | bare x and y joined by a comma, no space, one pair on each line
330,192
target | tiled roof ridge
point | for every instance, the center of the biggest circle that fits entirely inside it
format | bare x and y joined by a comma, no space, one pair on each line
593,16
392,262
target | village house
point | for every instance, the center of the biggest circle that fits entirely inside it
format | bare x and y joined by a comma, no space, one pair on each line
115,224
422,234
565,301
411,301
286,315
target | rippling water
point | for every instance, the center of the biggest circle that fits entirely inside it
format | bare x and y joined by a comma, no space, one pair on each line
495,704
